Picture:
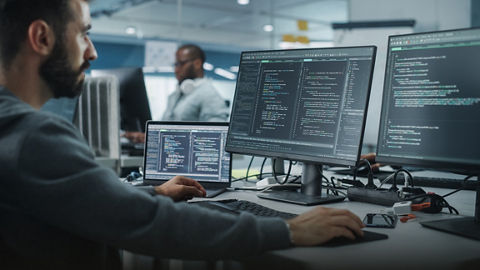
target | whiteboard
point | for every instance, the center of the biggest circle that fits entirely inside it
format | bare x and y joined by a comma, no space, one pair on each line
379,37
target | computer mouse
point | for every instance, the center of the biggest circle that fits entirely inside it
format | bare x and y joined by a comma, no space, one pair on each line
367,237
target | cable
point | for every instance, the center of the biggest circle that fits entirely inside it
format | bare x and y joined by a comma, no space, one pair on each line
336,190
464,182
386,180
370,183
294,179
261,169
394,185
286,177
248,168
436,201
245,178
327,181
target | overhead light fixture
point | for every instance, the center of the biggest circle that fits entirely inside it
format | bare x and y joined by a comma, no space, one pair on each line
207,66
131,30
268,28
234,69
243,2
225,73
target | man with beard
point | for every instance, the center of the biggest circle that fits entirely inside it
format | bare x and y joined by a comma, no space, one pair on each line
59,209
195,98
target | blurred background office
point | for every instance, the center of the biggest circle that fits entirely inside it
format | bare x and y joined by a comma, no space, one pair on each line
146,33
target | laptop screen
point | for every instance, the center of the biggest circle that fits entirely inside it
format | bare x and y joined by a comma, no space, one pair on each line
195,150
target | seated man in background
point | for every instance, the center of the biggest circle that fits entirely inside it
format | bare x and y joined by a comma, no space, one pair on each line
195,98
59,209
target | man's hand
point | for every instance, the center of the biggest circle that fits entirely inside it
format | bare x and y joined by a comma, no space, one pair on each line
181,188
371,158
135,136
322,224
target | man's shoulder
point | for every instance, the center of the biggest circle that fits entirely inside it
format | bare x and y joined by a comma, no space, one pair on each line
206,89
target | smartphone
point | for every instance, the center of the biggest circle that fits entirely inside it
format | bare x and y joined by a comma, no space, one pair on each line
380,220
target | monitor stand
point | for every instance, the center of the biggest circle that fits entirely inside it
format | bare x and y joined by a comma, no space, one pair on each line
310,192
467,226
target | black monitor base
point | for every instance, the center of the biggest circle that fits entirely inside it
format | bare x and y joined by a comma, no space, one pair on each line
296,197
466,227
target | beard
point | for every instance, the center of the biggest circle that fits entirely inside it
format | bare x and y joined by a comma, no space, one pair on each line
189,74
59,74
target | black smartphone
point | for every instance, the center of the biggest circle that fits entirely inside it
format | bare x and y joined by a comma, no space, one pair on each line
380,220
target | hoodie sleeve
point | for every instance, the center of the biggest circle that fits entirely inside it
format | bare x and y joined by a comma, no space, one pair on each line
63,186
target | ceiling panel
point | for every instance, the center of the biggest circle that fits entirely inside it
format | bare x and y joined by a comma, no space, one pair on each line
221,22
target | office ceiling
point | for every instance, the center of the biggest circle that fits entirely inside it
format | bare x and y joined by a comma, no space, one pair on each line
221,22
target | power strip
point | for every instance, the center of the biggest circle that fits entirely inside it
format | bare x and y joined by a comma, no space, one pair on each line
383,197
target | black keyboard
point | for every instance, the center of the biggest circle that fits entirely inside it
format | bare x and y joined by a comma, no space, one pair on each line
234,206
437,182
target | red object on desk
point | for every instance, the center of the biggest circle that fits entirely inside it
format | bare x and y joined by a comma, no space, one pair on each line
420,206
407,217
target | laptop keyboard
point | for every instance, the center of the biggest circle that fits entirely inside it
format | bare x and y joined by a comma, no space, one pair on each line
234,206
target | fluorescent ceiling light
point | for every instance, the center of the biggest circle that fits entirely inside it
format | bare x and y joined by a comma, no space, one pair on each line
165,69
268,28
298,45
225,73
207,66
243,2
234,68
131,30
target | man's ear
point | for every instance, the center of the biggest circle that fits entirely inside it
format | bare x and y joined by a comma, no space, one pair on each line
41,37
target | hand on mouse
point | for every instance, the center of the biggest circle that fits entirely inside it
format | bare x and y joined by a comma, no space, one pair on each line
322,224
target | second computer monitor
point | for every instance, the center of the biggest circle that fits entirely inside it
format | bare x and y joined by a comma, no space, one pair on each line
134,106
307,105
431,101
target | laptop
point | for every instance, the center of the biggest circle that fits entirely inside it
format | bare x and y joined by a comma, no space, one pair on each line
191,149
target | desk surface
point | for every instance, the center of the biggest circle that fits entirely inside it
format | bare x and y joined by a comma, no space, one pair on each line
410,246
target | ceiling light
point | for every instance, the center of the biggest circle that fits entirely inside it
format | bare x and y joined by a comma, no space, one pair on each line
131,30
243,2
268,28
207,66
234,69
225,73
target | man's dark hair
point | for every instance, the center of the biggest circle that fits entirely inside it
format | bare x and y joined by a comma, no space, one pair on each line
17,15
194,51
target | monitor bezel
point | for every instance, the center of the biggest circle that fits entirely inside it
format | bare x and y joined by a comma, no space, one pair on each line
186,123
459,167
130,98
302,157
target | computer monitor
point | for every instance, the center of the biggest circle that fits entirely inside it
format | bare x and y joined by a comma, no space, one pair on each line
306,105
134,106
431,107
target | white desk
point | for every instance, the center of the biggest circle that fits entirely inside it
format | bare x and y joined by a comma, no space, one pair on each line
409,246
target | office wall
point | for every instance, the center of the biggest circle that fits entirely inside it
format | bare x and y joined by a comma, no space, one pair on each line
115,53
430,15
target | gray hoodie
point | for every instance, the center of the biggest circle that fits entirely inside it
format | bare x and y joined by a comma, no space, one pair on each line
59,209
